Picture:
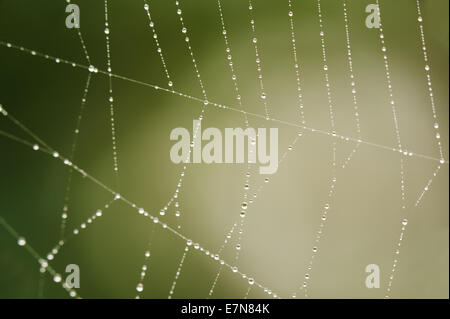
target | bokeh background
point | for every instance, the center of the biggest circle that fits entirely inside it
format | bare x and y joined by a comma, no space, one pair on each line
364,220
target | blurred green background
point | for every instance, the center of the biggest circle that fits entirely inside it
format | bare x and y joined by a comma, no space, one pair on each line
364,221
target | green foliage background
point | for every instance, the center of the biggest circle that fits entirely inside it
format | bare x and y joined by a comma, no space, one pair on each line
364,222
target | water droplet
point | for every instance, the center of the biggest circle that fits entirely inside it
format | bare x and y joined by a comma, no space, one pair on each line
57,278
427,67
21,241
147,253
140,287
106,31
244,205
251,281
404,222
35,147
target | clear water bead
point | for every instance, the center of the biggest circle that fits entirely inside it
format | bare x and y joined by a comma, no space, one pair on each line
140,287
57,278
21,241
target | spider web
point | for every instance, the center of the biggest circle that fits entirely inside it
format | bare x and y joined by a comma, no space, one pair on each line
165,221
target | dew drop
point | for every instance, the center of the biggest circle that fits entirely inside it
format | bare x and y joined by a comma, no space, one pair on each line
57,278
21,241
